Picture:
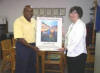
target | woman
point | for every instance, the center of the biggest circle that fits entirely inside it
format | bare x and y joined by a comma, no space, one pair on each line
75,42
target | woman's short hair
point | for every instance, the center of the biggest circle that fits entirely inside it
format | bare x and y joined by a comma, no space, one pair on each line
78,10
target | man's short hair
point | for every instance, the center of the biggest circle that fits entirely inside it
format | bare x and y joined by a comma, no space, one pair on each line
27,6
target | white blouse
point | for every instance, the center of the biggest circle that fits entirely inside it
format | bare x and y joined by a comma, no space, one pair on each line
75,39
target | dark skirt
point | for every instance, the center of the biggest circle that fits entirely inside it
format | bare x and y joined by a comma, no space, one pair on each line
76,64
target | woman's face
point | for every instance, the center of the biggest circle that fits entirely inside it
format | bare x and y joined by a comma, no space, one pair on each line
74,16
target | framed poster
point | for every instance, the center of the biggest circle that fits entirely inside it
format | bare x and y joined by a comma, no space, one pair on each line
56,12
42,11
49,12
62,11
36,11
49,33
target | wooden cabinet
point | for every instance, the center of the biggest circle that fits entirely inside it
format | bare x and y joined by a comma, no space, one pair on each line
3,30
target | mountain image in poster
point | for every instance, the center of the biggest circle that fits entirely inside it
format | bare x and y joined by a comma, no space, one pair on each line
49,30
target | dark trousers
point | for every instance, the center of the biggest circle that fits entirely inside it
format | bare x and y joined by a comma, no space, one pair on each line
76,64
25,59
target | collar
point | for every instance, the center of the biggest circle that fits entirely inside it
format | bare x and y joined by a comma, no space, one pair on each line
78,20
25,20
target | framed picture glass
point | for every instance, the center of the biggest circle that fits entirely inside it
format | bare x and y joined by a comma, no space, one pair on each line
42,11
49,12
62,11
36,11
56,12
49,33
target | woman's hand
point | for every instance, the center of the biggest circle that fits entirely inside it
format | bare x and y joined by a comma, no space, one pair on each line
61,49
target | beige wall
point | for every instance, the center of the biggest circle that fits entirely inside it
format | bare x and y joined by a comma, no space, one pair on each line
97,55
13,8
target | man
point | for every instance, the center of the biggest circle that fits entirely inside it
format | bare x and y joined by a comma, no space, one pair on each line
24,33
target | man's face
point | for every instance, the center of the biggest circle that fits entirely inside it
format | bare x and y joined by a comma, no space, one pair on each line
28,13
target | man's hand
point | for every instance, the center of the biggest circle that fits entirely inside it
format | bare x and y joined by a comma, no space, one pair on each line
35,48
24,42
